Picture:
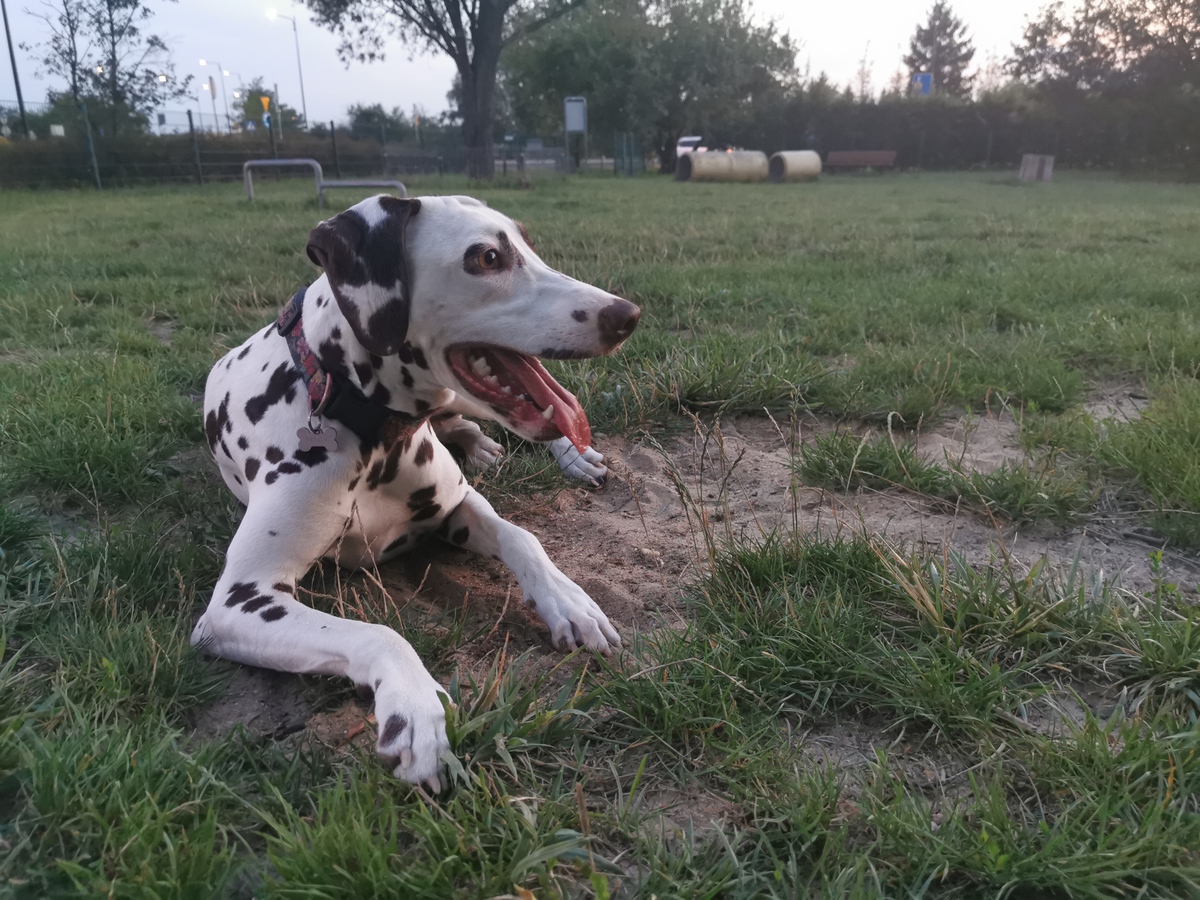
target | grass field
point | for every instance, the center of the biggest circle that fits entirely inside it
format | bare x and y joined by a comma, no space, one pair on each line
1032,732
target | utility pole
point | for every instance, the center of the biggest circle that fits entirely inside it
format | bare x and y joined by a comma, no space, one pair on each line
16,78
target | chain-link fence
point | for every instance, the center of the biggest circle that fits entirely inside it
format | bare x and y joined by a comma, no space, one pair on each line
67,147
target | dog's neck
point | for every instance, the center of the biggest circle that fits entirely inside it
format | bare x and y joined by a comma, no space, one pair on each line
401,382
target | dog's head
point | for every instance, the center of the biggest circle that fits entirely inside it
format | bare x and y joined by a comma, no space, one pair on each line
463,284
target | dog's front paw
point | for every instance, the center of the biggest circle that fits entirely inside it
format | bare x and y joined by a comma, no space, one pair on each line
586,466
485,452
574,618
412,728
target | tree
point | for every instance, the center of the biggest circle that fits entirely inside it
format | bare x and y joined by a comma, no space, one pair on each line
67,53
252,106
470,32
99,48
375,123
658,68
941,48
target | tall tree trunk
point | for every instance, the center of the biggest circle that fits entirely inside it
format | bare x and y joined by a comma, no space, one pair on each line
479,103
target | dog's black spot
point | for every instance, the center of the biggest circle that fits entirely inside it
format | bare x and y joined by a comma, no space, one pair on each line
444,528
273,454
264,367
280,387
422,497
282,587
426,512
580,315
364,372
396,723
289,468
353,483
274,614
336,333
364,691
391,463
375,473
418,356
245,350
225,449
271,477
238,480
406,376
311,457
256,604
421,406
252,465
376,361
381,395
243,443
214,422
241,592
396,544
460,536
424,453
273,533
443,416
404,351
333,357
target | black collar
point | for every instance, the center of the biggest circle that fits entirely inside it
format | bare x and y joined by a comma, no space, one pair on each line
337,398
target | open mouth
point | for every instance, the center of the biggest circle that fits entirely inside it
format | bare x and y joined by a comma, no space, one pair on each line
519,388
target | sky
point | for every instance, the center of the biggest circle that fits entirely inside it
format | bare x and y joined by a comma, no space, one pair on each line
237,33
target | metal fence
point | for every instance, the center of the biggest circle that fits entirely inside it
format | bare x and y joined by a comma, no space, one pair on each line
180,147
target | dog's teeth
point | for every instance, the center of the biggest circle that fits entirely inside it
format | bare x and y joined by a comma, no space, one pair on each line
506,389
480,366
493,379
524,397
548,412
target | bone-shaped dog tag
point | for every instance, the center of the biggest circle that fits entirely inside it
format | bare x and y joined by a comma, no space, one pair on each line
326,438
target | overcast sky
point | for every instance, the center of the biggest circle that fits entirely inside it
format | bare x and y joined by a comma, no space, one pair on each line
237,33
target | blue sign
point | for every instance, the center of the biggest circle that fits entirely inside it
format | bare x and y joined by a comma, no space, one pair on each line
923,82
251,125
266,120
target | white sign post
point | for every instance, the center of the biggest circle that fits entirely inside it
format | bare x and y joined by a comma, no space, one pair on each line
575,119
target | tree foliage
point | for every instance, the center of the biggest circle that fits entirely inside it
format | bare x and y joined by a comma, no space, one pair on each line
942,48
657,68
471,32
101,50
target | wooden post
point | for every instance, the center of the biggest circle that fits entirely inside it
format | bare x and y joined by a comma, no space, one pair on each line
195,150
337,160
91,146
274,116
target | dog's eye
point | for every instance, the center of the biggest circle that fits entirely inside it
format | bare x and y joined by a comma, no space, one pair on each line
489,259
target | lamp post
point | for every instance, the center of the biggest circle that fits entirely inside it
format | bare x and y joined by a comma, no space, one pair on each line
16,78
273,15
224,98
211,87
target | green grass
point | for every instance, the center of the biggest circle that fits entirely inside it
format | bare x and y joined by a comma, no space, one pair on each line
1028,733
1013,491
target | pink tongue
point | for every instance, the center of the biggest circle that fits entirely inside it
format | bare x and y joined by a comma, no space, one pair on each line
568,414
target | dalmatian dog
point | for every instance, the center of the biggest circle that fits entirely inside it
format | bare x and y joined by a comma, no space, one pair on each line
335,426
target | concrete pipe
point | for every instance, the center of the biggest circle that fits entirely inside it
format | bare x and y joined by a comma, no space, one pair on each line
738,165
795,165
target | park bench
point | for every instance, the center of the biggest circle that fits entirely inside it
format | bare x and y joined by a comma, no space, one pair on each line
318,177
860,159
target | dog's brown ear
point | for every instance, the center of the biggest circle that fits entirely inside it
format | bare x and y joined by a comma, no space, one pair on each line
364,253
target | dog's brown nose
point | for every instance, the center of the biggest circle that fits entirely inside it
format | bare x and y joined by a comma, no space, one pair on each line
617,321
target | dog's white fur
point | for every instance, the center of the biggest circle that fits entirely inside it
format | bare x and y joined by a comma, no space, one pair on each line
357,504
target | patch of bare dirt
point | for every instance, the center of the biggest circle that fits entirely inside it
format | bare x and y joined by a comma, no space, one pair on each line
635,544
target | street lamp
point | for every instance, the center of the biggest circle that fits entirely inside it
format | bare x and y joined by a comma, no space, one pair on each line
272,15
224,99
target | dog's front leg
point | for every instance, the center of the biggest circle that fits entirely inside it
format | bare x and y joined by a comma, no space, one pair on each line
574,618
254,618
586,466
